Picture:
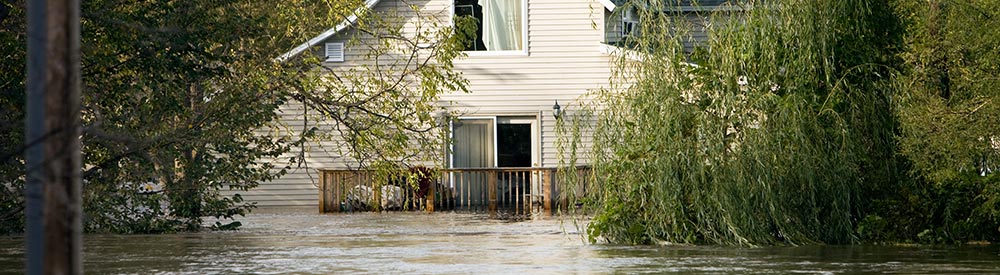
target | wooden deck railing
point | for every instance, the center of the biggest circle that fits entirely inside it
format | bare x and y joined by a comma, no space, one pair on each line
509,191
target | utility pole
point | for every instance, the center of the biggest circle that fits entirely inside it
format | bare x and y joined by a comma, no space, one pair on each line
52,134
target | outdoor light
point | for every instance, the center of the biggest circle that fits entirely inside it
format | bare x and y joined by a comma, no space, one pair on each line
556,110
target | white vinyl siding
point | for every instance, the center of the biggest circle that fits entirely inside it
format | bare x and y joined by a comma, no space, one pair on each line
561,61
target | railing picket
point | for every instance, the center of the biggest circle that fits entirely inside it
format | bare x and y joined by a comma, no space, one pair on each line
517,194
484,202
463,197
501,196
505,196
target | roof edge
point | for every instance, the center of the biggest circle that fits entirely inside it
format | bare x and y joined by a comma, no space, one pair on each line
610,6
369,4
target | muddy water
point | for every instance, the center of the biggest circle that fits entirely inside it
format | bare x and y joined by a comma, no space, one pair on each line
407,243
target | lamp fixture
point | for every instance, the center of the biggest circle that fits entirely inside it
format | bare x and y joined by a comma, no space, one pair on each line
556,110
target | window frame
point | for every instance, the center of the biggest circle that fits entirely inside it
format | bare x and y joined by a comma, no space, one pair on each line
524,34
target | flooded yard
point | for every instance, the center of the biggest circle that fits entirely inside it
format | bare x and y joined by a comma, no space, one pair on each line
451,243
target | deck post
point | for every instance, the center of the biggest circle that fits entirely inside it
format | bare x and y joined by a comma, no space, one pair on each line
322,191
377,196
547,191
491,186
429,196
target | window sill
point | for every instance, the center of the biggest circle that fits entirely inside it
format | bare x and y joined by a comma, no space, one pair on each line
496,53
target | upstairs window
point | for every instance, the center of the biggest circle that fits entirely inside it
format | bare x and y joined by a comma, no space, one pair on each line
500,24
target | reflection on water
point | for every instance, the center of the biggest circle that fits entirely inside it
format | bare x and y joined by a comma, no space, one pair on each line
394,243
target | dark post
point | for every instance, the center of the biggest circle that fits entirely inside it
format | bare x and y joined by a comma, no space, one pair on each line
52,131
429,196
322,191
547,191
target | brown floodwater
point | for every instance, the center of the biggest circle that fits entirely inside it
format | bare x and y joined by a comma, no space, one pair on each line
453,243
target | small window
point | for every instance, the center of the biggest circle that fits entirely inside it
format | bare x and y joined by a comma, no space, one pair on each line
500,24
335,52
630,22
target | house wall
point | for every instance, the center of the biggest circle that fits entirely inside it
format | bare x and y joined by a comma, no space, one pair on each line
563,63
299,186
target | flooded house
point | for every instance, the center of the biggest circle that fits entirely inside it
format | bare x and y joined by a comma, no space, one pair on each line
532,63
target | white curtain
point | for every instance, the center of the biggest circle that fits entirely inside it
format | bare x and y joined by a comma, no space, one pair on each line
502,24
473,143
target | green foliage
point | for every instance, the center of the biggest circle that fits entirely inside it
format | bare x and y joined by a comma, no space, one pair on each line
948,113
181,103
12,71
173,95
771,137
950,212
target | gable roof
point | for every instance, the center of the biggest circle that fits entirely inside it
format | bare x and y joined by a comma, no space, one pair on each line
369,4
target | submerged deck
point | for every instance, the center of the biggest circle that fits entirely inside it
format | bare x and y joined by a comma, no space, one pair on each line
501,191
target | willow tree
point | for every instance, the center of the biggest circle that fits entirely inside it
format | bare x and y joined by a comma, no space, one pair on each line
179,97
768,133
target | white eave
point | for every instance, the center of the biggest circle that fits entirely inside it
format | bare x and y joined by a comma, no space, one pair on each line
615,50
608,4
369,4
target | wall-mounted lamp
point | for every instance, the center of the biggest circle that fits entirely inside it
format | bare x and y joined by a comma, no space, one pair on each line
556,110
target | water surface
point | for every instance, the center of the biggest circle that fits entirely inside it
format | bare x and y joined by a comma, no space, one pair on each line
449,243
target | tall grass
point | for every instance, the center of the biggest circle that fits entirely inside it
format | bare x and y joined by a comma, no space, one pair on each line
768,134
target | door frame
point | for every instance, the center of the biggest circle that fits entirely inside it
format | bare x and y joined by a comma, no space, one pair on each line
534,120
534,123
